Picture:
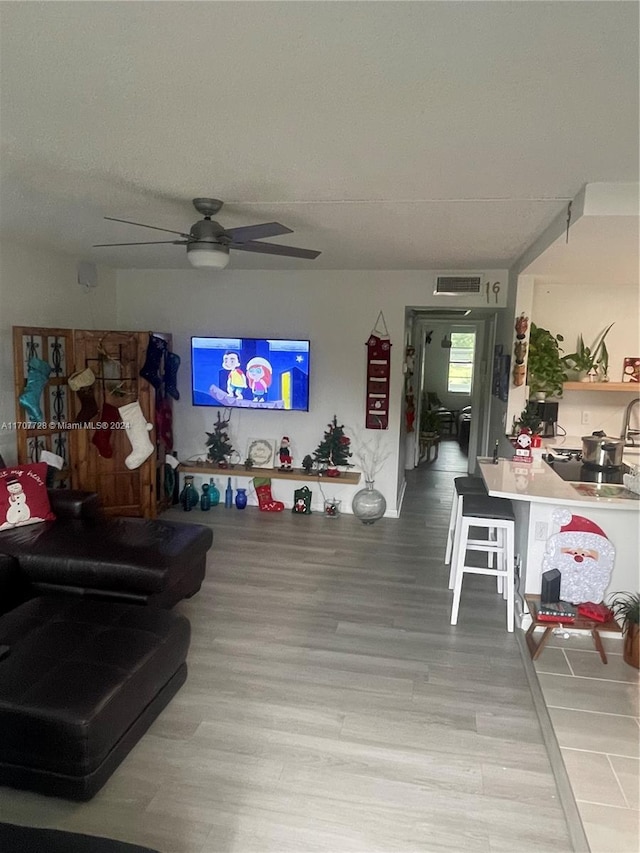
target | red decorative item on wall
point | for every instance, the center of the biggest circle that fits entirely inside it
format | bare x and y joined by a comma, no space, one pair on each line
378,373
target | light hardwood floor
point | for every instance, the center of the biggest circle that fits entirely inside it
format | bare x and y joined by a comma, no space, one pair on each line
330,706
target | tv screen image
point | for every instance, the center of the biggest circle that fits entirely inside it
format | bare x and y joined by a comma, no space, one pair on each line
250,373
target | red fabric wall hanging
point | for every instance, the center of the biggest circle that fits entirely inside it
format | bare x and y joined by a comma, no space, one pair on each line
378,373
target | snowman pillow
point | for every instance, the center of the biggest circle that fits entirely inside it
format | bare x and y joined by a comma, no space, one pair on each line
23,496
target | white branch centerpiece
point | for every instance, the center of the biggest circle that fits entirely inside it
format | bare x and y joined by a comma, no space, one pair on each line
369,504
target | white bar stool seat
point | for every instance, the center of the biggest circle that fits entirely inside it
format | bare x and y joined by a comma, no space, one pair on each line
496,516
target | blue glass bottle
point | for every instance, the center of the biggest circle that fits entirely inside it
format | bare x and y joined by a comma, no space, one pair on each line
228,495
205,499
214,492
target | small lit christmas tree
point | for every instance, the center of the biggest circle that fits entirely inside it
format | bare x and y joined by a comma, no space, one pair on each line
218,441
333,450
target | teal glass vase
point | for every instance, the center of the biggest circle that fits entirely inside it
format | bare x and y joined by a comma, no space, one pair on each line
188,496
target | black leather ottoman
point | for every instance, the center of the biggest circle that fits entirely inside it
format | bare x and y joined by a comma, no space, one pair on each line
128,559
82,682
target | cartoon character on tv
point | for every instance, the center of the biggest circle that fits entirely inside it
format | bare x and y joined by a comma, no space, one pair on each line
259,373
236,380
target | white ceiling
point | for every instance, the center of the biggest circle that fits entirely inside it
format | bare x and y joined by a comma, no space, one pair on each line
388,135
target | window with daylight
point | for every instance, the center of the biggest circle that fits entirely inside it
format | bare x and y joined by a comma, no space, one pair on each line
463,345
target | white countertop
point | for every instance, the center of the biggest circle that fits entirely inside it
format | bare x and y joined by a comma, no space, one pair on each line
538,483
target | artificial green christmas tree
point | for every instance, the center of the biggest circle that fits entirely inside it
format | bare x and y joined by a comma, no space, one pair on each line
218,441
333,450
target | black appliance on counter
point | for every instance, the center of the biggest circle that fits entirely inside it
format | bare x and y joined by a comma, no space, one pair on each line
568,465
548,414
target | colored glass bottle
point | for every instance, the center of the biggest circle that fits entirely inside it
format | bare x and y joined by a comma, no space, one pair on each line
214,493
228,495
241,498
188,496
205,499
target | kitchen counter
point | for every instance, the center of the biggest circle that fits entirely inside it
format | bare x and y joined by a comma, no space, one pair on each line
538,494
537,482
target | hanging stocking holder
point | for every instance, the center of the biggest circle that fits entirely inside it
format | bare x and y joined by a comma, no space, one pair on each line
378,373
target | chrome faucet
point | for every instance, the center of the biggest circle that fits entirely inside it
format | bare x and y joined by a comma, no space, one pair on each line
627,434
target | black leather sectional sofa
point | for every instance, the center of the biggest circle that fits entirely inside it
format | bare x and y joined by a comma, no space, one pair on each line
85,666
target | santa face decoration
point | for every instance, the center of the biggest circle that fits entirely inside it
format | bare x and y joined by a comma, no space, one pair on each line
583,555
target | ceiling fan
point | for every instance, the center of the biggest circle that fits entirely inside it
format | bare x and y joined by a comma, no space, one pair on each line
208,243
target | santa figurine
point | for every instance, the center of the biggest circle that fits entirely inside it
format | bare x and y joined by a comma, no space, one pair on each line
285,454
522,445
584,556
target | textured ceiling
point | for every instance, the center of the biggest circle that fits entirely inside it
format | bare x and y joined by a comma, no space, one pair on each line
388,135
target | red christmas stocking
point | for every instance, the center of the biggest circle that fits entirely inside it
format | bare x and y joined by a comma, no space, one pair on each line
102,437
164,421
265,498
88,405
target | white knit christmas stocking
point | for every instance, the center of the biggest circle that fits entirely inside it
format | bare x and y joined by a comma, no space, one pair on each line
137,430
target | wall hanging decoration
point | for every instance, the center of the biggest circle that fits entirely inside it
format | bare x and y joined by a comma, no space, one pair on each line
520,350
378,373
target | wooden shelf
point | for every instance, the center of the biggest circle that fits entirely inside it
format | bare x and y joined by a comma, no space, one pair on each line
347,478
631,387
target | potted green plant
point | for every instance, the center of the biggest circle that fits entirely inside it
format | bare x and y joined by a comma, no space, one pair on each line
545,368
626,608
528,419
585,360
429,422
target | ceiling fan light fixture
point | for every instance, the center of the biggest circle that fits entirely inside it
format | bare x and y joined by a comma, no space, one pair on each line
207,256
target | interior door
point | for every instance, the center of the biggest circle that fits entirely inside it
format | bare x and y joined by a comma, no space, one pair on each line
115,358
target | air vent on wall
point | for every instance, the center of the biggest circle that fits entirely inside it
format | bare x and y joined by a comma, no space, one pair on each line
443,312
455,284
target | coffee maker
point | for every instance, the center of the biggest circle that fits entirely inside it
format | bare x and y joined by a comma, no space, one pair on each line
548,414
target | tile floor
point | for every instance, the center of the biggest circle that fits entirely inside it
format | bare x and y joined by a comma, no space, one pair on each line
595,713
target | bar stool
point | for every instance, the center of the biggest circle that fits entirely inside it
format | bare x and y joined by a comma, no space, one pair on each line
496,516
463,486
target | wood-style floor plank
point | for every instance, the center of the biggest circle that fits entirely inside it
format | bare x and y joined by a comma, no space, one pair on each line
330,706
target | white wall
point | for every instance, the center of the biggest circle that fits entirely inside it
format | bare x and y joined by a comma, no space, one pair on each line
571,309
336,310
39,288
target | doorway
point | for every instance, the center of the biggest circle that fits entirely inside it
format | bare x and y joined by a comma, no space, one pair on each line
453,376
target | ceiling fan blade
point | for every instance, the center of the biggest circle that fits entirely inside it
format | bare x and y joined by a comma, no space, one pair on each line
273,249
256,232
144,243
142,225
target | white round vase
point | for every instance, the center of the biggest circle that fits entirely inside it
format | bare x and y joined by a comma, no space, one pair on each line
368,504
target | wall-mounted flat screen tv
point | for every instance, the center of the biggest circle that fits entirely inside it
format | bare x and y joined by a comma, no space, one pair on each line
250,373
